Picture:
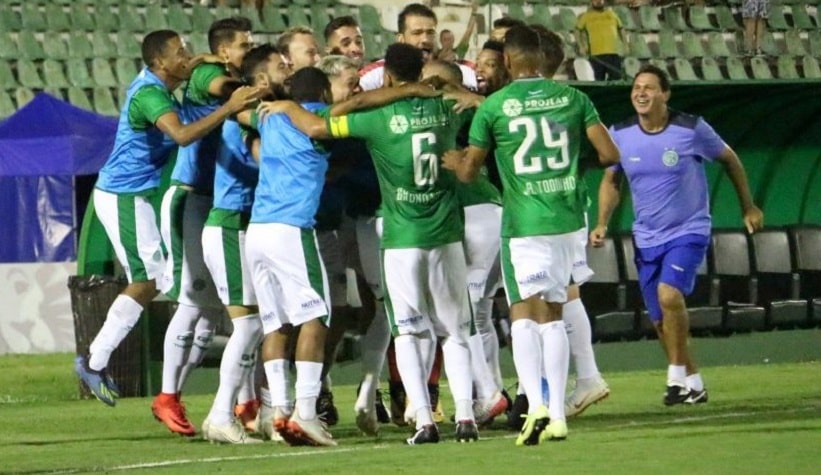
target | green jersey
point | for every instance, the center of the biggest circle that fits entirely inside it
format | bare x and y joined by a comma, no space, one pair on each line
481,191
536,127
406,140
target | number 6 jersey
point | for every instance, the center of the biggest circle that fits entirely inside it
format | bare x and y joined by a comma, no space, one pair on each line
536,127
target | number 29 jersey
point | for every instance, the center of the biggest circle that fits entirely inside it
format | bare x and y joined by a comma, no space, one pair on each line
536,127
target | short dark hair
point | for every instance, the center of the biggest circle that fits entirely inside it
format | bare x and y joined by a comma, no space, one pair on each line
338,23
522,38
494,45
154,45
552,47
404,62
507,22
309,84
452,69
255,59
414,9
664,79
223,31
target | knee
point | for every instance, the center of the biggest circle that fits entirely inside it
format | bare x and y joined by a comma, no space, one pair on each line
670,298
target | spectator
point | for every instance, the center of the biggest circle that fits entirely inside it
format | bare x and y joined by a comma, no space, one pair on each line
599,33
755,14
447,51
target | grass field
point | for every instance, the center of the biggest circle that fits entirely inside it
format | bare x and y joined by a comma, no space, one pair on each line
760,419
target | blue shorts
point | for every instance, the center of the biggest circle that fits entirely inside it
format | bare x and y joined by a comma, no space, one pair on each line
674,263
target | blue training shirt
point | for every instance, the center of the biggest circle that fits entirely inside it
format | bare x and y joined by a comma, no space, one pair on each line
237,173
291,173
665,171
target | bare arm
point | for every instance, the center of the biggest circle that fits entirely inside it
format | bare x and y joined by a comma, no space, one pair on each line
466,163
185,134
609,197
581,40
603,143
223,86
753,216
465,40
381,96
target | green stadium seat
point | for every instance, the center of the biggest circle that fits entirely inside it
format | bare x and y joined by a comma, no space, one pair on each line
800,18
251,12
628,22
126,70
815,43
567,19
23,95
516,10
131,19
725,18
811,71
105,19
28,75
54,46
57,18
78,98
10,20
102,73
794,44
684,70
155,17
668,47
341,9
776,20
223,11
693,48
786,68
736,70
631,67
710,69
32,19
198,42
79,46
716,45
760,68
674,19
201,18
768,44
30,46
272,19
659,63
542,16
102,46
369,18
178,19
649,16
297,16
319,18
8,47
128,44
104,102
7,107
699,19
7,80
81,18
638,46
78,74
54,74
54,91
372,45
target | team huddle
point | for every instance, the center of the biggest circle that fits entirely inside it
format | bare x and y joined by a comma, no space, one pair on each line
291,168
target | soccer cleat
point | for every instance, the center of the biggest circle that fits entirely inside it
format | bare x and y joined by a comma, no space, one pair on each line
264,423
168,409
309,431
535,423
437,411
517,413
326,409
399,401
382,414
696,397
428,434
466,431
486,411
247,414
367,421
585,395
98,382
232,433
676,395
556,430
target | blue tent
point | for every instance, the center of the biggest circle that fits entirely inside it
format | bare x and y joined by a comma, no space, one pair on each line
42,147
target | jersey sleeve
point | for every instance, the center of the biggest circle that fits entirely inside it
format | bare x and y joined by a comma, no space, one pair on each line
706,142
481,129
201,79
147,105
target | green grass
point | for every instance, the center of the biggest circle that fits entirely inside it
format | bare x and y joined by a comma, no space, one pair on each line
760,419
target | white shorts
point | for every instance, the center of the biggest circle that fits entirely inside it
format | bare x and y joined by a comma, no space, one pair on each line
368,235
425,291
581,271
538,265
131,226
186,278
483,226
223,251
334,260
288,274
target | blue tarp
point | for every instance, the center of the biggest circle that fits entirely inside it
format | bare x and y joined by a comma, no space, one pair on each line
42,147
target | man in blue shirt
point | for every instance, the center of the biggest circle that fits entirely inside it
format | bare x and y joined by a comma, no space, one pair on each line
663,154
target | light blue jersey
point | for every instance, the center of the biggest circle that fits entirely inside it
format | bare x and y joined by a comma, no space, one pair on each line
237,172
291,173
140,148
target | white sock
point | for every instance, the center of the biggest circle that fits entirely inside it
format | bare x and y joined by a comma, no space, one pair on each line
308,384
527,358
482,376
483,318
457,359
694,382
581,339
123,314
276,372
556,361
179,337
203,336
237,362
374,344
677,376
427,349
410,363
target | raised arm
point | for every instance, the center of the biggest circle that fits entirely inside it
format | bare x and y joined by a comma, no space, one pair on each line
604,145
753,216
609,197
466,163
464,42
382,96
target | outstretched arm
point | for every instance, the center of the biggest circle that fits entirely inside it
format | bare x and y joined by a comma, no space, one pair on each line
609,196
382,96
753,216
604,145
466,163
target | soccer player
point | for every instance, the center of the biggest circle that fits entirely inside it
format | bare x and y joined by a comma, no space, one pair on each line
536,126
150,127
299,47
343,37
185,207
451,51
666,151
223,240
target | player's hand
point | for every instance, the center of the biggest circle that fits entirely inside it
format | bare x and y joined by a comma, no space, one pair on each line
244,97
753,219
464,99
597,235
273,107
452,159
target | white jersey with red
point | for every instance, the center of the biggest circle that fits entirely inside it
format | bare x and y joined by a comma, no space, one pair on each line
371,76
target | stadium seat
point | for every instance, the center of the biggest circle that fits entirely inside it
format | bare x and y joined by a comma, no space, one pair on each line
53,72
105,19
78,74
761,68
102,46
198,42
699,19
178,19
272,19
129,46
104,102
31,18
807,242
102,73
7,107
660,63
725,18
794,44
768,44
8,47
319,18
30,47
7,76
615,326
730,262
744,318
126,70
684,70
131,19
78,97
811,68
706,321
155,17
81,18
23,95
668,47
786,68
776,20
516,10
251,12
54,46
626,16
10,20
649,16
79,46
692,45
541,15
779,285
638,46
631,66
800,17
566,19
674,19
28,75
369,18
583,70
736,70
57,18
201,18
710,69
716,45
605,291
